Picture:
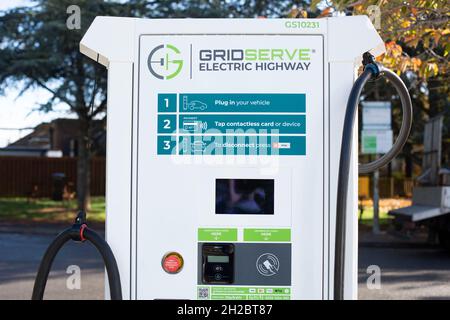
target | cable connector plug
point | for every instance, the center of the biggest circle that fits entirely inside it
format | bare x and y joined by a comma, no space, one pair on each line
369,63
79,226
81,217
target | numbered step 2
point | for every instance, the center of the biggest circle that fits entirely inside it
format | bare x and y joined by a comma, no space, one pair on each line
167,123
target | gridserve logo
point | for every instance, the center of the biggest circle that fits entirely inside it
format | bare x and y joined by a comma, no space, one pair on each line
164,62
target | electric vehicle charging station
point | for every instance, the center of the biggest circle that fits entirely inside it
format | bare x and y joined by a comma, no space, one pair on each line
176,89
230,156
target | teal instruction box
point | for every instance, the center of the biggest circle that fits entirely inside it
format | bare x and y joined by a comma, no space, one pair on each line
242,145
242,102
267,124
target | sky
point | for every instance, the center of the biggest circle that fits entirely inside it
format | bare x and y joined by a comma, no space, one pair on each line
20,112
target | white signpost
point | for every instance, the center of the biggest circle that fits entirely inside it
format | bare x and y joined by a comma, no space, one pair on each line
376,138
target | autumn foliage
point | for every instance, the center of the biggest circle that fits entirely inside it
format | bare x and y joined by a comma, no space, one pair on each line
416,32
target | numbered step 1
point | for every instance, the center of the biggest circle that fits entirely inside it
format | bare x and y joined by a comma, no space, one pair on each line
167,102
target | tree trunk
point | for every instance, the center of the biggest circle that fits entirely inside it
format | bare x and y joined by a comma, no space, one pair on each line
84,167
408,160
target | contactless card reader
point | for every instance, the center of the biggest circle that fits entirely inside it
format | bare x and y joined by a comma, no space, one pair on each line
218,263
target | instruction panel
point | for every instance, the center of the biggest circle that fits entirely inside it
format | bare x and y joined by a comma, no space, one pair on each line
214,114
229,95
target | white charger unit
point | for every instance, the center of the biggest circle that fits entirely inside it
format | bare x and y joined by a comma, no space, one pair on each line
223,143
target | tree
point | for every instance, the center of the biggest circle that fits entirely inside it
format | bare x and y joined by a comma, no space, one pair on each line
417,44
39,49
416,34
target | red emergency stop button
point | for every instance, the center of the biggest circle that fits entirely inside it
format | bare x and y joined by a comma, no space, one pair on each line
172,262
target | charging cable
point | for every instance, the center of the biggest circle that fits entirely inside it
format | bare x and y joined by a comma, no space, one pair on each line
371,70
78,232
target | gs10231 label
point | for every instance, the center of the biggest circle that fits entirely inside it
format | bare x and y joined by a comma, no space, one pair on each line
302,24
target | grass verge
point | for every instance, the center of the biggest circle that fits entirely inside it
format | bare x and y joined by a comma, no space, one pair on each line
48,211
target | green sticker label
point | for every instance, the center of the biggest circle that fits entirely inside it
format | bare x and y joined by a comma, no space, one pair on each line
217,234
369,144
270,235
243,293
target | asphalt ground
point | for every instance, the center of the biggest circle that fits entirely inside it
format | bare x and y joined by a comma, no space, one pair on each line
408,271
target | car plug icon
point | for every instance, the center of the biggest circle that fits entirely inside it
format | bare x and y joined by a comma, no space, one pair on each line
197,105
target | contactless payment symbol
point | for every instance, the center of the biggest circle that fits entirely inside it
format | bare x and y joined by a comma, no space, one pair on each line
267,264
163,62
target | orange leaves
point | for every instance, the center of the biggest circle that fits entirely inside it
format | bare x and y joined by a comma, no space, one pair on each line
431,70
413,64
359,8
396,59
439,35
436,37
393,49
417,27
325,13
424,69
405,24
447,49
412,40
298,13
416,63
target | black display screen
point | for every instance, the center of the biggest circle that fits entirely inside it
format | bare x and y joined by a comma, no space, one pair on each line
244,196
218,259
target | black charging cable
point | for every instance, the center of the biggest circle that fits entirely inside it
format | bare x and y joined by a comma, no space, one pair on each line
371,70
78,232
